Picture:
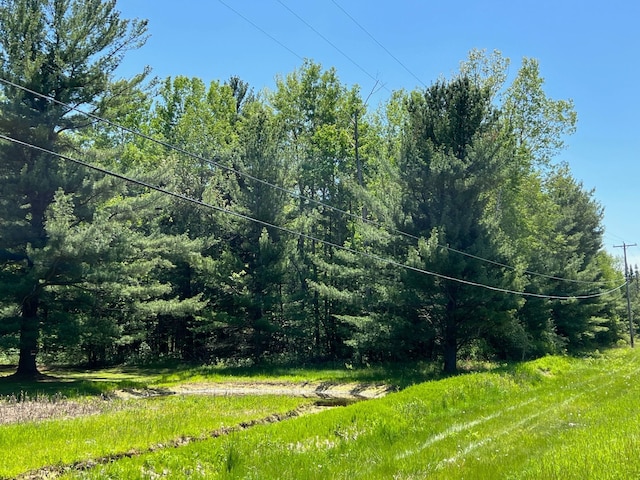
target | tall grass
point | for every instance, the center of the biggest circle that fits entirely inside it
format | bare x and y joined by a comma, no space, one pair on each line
551,418
131,426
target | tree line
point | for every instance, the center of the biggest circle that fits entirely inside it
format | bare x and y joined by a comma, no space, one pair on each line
304,224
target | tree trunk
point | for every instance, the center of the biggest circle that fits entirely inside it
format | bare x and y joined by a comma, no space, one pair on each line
450,352
29,331
450,356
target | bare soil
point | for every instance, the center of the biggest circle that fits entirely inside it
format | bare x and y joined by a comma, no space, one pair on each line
319,390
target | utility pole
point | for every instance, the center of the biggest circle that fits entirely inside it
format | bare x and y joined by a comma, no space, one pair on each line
626,275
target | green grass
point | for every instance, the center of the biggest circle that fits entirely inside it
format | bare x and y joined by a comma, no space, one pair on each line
134,425
551,418
556,417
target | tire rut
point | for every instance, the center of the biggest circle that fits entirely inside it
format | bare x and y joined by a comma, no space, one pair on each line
54,471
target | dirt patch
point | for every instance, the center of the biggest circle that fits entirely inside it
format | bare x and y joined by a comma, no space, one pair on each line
320,390
20,409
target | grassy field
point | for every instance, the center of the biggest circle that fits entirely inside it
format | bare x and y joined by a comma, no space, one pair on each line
556,418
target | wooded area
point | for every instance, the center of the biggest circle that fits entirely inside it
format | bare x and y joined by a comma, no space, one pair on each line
299,224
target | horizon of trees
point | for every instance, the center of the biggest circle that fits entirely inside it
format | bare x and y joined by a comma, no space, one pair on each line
321,229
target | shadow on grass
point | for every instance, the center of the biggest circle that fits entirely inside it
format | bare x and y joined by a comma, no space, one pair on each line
399,375
73,381
59,384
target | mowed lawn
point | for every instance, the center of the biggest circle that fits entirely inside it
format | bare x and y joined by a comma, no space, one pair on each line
555,417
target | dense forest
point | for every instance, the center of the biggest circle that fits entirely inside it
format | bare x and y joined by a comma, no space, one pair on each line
144,219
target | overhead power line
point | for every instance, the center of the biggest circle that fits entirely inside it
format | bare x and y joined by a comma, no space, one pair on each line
333,45
282,189
378,43
301,234
260,29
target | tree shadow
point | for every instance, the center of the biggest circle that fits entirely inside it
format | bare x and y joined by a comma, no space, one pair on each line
43,385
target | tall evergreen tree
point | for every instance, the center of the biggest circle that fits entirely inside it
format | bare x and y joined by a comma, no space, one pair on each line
256,316
452,159
576,257
316,112
68,50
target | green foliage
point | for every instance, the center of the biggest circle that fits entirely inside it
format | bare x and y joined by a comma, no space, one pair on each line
537,122
323,231
451,162
73,48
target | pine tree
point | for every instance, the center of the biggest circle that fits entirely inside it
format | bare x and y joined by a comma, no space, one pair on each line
67,50
451,161
316,112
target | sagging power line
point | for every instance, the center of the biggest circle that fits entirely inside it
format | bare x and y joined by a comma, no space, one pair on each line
378,43
333,45
301,234
257,27
282,189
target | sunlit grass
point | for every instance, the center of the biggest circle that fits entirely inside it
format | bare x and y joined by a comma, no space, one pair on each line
556,417
552,418
134,425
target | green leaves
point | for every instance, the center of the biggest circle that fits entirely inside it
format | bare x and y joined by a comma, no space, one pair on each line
334,233
538,123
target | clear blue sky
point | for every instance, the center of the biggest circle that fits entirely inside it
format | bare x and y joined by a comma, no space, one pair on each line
588,51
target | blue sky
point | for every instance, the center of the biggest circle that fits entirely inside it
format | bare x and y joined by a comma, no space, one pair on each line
589,51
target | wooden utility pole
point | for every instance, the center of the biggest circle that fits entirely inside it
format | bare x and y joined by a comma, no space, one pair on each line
626,276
